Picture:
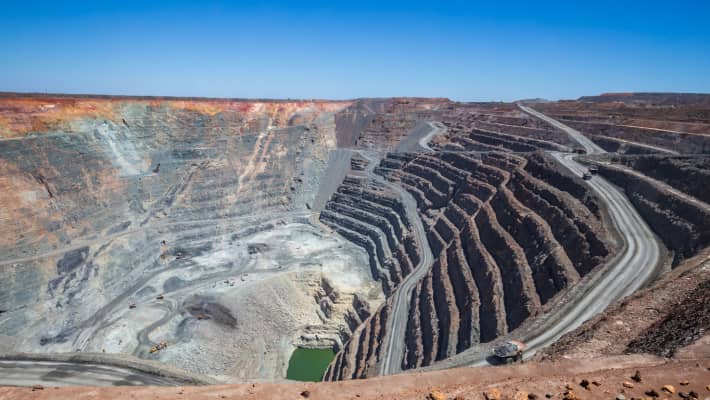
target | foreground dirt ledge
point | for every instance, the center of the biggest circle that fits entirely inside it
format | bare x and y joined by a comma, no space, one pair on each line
538,379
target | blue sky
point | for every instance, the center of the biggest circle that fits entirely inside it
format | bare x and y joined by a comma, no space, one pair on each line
464,50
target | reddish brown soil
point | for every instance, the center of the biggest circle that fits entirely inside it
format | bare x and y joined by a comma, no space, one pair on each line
605,377
638,317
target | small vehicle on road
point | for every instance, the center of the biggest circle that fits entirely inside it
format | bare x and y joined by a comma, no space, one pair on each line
587,176
160,346
580,151
509,351
593,170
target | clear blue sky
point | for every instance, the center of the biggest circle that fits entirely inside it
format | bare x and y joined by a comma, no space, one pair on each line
464,50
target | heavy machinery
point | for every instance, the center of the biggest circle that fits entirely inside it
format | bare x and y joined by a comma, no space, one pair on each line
509,351
160,346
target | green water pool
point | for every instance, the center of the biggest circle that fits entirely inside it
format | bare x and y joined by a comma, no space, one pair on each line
309,364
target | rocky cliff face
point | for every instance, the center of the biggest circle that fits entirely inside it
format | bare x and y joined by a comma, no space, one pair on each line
236,230
680,220
508,233
630,122
111,202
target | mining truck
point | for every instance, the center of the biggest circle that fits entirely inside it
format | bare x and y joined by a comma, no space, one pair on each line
158,347
509,351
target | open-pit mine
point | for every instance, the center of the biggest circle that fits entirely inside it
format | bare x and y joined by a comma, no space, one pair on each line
170,241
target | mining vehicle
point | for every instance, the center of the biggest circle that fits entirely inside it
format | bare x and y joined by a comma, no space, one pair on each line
509,351
158,347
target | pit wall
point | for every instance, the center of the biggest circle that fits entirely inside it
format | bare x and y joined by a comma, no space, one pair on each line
508,233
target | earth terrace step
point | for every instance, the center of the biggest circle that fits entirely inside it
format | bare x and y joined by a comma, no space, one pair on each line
446,229
486,173
516,138
460,161
434,196
414,347
372,208
521,299
422,201
438,181
362,351
378,273
376,337
429,319
551,268
446,309
403,157
546,169
504,119
682,222
457,215
614,145
361,227
493,139
363,343
472,145
446,170
553,136
585,254
469,203
412,249
405,263
448,146
573,208
507,162
436,243
350,209
486,275
466,295
384,256
388,201
349,355
392,163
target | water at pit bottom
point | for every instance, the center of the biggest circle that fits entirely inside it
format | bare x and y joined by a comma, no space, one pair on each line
308,365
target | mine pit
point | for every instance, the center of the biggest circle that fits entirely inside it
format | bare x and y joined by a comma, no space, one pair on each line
324,240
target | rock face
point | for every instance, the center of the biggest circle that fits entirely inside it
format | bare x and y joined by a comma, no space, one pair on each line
235,230
508,233
505,243
630,122
107,202
688,174
681,221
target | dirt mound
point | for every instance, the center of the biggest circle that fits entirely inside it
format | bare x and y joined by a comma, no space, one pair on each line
687,322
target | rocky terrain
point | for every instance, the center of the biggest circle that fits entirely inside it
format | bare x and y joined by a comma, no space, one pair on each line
402,233
128,221
639,123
